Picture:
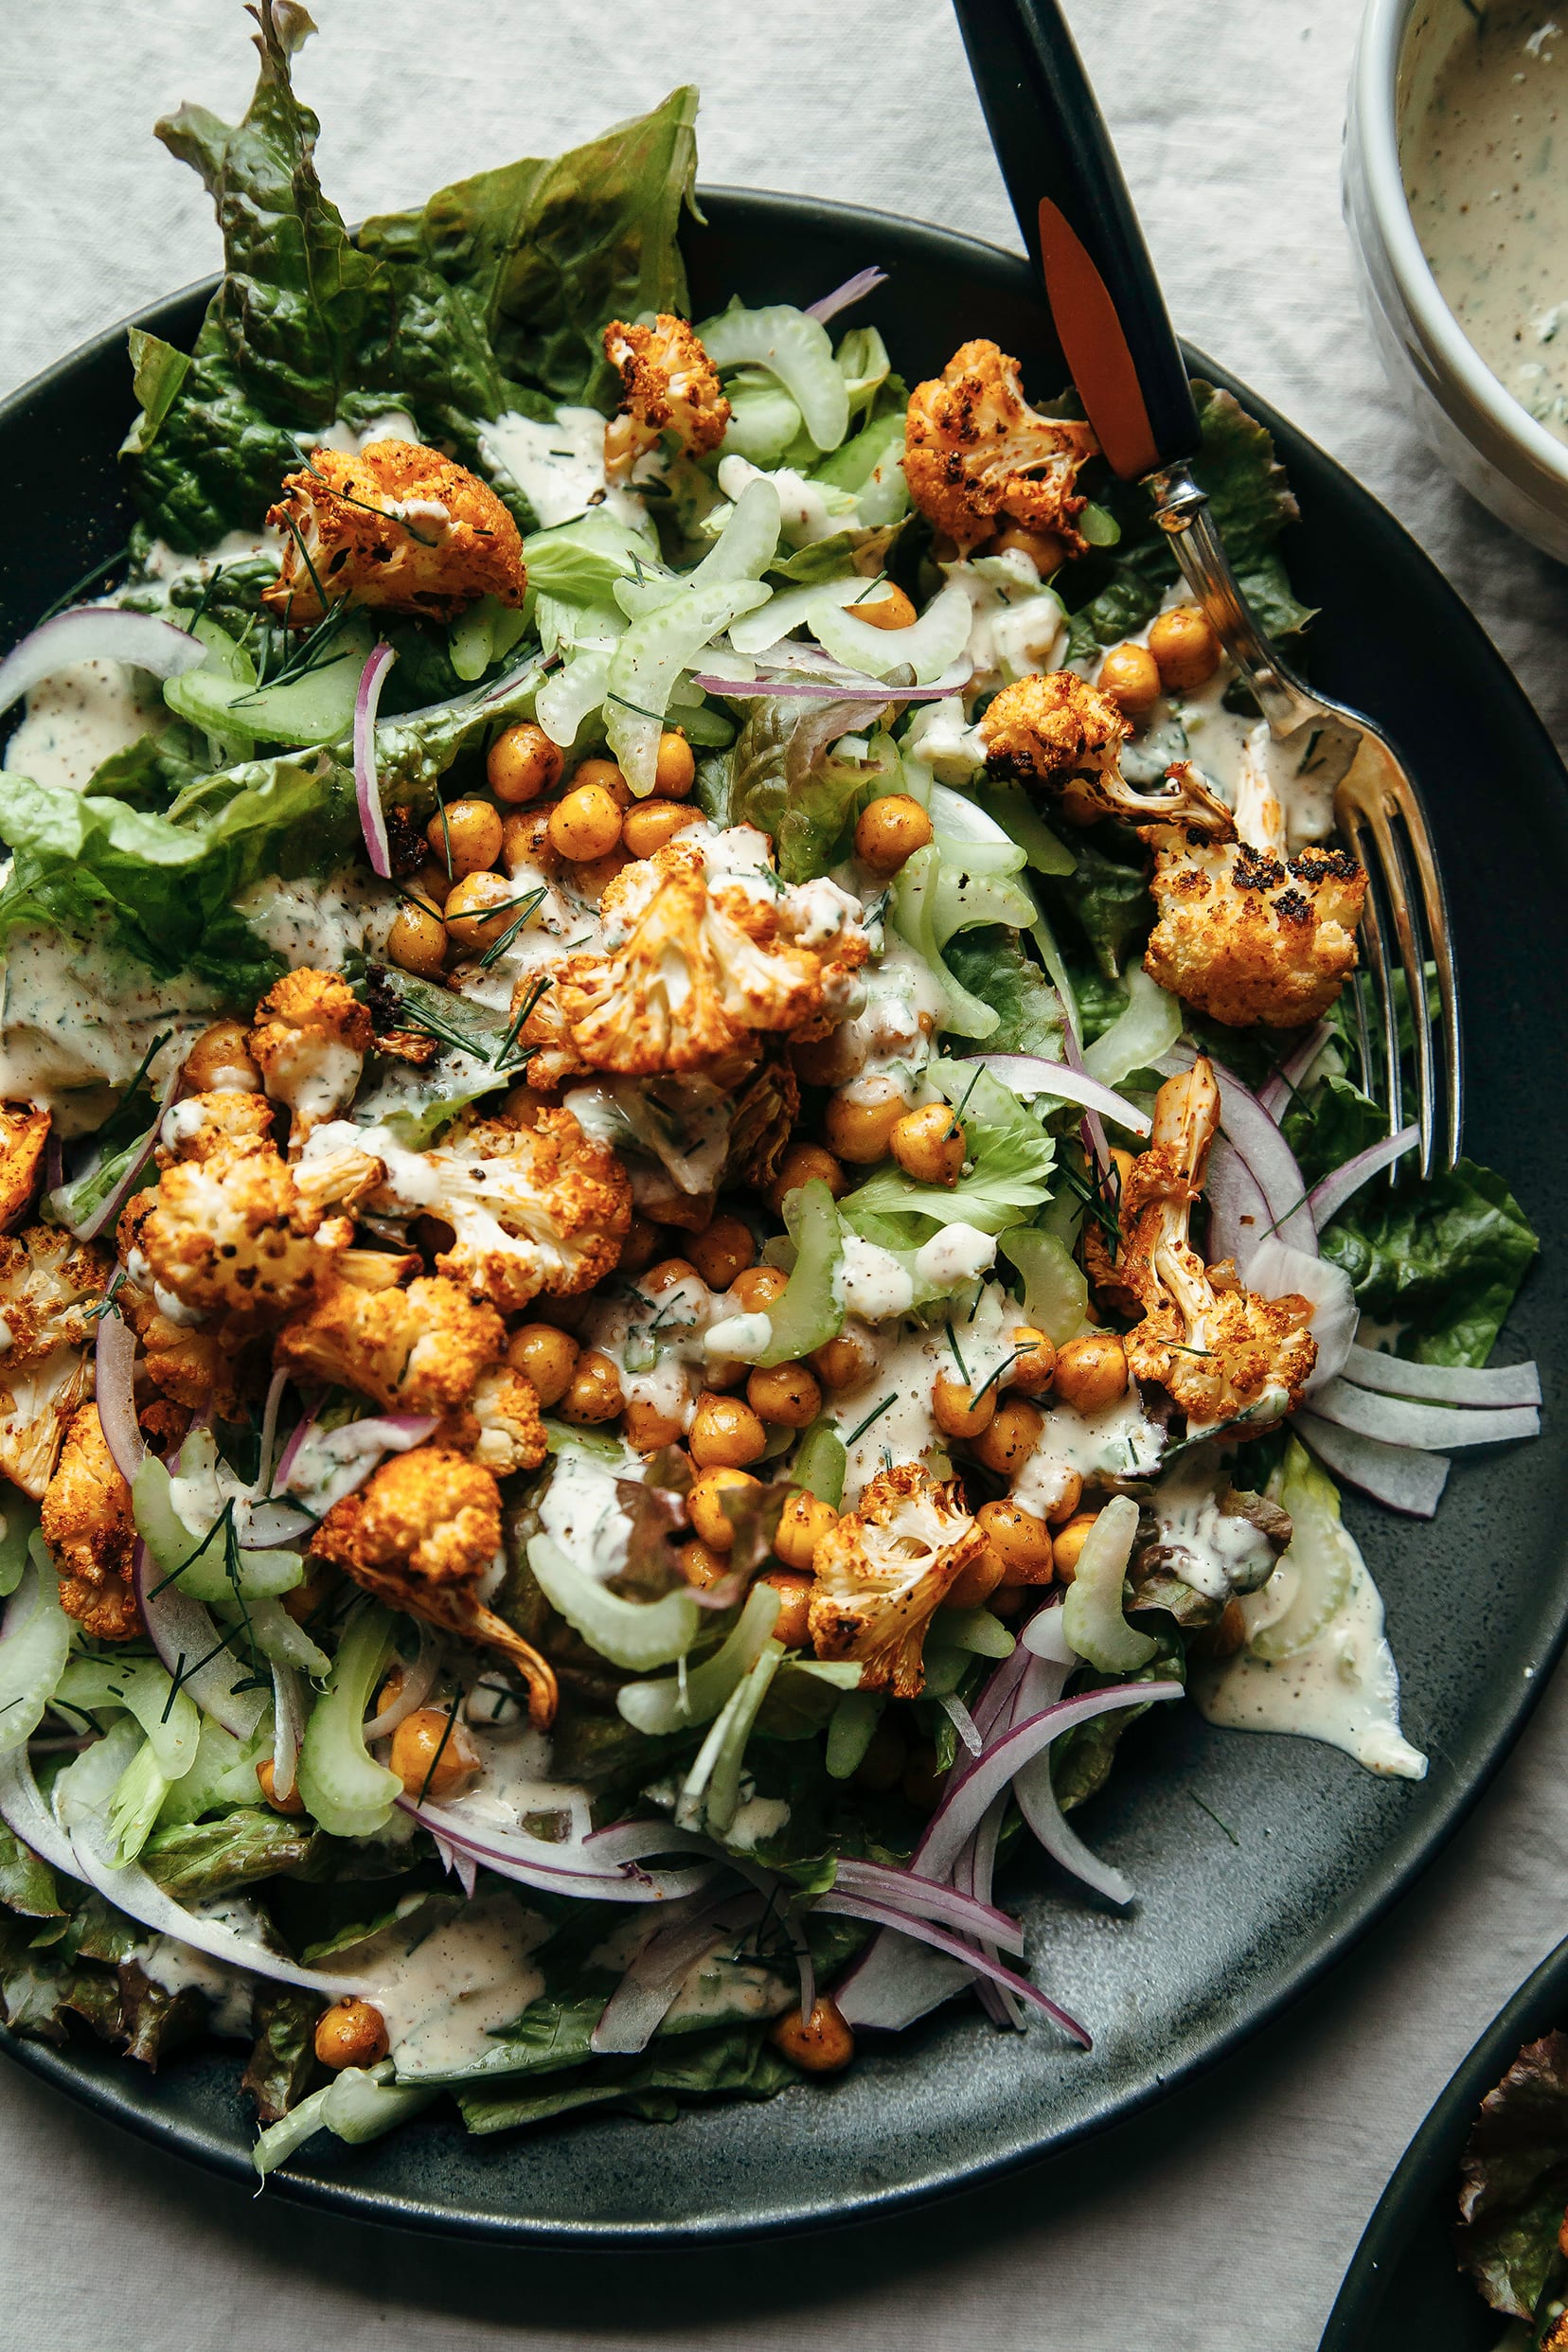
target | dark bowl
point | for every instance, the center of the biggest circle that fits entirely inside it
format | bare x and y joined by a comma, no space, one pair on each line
1406,2291
1259,1860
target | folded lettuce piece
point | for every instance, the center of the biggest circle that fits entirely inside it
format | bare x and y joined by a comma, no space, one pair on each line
1514,2180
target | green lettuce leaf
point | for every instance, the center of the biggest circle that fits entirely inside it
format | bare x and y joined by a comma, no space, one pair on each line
1104,901
1081,1759
193,1860
990,964
1009,1156
1444,1258
1514,2180
282,2063
786,779
739,2064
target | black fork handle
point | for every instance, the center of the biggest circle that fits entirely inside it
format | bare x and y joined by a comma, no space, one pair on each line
1081,232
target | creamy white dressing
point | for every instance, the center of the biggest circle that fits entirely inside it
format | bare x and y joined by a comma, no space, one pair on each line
809,510
78,718
1017,625
558,468
874,1284
321,924
76,1017
179,1967
1216,1552
445,1993
167,564
581,1508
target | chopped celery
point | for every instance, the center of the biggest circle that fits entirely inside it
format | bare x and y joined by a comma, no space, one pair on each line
1147,1027
1010,807
209,1566
359,2104
482,635
18,1526
791,609
1317,1570
973,1631
864,365
571,696
33,1655
745,547
134,1802
810,1311
630,1634
820,1465
931,645
764,419
1056,1296
1092,1618
649,660
169,1718
952,886
794,347
316,706
710,1795
697,1695
580,562
284,1643
343,1786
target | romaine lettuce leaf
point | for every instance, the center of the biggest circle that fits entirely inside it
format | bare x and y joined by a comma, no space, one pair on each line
1445,1259
739,2064
990,964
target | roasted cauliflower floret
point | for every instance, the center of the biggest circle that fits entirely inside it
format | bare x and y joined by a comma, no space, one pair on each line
1219,1351
415,1350
310,1038
884,1569
1056,731
976,454
500,1425
699,972
1246,932
422,1533
233,1235
88,1527
396,525
51,1289
23,1132
669,385
203,1126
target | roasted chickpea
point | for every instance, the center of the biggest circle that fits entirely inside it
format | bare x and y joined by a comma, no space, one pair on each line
819,2045
432,886
923,1779
305,1599
1035,1367
802,1524
417,941
293,1803
468,926
846,1362
886,606
523,763
785,1393
755,1288
725,1250
592,878
607,775
352,2032
800,1164
525,840
1091,1373
1186,649
928,1144
1067,1501
219,1060
676,771
1069,1542
594,1392
700,1564
857,1126
706,1509
1008,1599
667,1275
643,1242
648,1427
1045,551
1007,1445
881,1769
647,825
889,832
585,824
1131,676
432,1753
546,1357
830,1060
794,1601
465,837
1021,1541
975,1584
725,1433
957,1411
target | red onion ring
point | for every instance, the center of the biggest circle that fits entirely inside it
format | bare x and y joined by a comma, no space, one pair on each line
1033,1074
1402,1421
1095,1147
288,1727
1328,1197
928,1899
973,1957
1037,1800
1444,1383
534,1862
647,1993
181,1629
1278,1092
114,1369
853,289
97,633
23,1811
415,1689
1258,1141
1398,1477
372,818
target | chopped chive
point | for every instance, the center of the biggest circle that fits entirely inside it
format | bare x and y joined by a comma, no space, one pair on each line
1006,1365
957,1358
440,1751
657,716
224,1520
875,1415
1214,1816
88,580
520,1022
527,906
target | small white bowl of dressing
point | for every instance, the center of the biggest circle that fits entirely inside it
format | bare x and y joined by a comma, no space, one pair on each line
1457,196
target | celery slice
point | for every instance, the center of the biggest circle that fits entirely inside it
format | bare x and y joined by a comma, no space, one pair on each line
794,347
630,1634
650,658
678,1700
37,1644
343,1786
809,1310
1092,1618
145,1689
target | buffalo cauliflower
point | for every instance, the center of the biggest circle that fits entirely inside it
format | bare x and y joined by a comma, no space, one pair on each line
1246,933
234,1236
976,454
1058,731
310,1038
51,1289
23,1132
884,1569
669,385
500,1425
193,1364
396,525
89,1529
1219,1351
415,1350
204,1125
422,1533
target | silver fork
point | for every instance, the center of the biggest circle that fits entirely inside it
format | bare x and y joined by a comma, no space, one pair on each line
1377,807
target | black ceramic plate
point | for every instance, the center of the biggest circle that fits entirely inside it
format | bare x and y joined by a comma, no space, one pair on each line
1404,2292
1259,1860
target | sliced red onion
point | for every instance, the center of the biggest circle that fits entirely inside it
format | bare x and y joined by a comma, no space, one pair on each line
189,1643
271,1526
114,1363
54,1163
905,1889
853,289
23,1811
647,1993
1239,1211
1444,1383
834,689
414,1690
1404,1421
1258,1140
961,1720
1097,1149
288,1727
894,1981
1031,1074
1037,1802
1328,1198
972,1876
371,814
1279,1092
302,1429
389,1432
1396,1476
276,1386
993,1709
97,633
940,1939
534,1862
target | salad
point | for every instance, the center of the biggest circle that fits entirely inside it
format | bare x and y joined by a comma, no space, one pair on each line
686,1201
1513,2230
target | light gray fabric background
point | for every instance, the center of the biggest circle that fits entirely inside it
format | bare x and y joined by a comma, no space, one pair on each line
1227,2225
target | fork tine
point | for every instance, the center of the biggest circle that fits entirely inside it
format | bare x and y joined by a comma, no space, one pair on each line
1440,936
1395,876
1381,971
1363,1035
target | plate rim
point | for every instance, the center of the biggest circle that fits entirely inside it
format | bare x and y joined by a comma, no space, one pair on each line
1397,1866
